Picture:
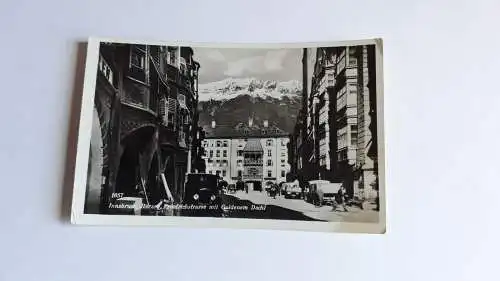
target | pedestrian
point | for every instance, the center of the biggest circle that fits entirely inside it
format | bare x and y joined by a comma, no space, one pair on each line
340,199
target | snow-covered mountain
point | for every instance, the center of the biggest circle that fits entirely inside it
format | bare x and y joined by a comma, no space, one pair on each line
230,88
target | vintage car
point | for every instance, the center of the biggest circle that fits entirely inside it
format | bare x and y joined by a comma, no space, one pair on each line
204,189
311,191
292,190
327,193
321,192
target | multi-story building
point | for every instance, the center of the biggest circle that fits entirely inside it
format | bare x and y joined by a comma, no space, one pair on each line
248,152
144,105
300,148
338,119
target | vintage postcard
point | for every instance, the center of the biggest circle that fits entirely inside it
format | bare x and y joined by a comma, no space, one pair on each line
267,136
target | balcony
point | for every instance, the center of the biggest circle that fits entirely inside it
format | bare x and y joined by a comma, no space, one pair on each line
252,177
174,75
252,162
137,95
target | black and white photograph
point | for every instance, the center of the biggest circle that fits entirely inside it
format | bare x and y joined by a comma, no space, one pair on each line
286,136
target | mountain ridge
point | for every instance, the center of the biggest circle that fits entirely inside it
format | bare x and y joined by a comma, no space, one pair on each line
232,101
230,88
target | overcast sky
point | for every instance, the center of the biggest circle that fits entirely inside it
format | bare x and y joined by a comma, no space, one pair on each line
265,64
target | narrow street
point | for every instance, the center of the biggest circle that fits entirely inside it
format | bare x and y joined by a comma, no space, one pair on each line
292,209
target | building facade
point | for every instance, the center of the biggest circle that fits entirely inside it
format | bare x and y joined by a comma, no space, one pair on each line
339,127
251,153
144,106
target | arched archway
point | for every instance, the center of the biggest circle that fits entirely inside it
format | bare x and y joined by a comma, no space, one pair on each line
128,178
95,165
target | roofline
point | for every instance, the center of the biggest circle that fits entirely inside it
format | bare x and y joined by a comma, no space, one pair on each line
248,137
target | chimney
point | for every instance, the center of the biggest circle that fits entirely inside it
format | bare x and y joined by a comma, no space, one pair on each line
266,123
213,124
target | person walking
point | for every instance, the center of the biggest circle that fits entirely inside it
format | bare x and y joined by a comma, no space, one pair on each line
340,199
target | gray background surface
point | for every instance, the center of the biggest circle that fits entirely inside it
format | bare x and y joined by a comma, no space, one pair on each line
442,128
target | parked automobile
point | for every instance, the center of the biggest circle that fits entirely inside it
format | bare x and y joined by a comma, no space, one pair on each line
327,193
311,192
204,189
292,190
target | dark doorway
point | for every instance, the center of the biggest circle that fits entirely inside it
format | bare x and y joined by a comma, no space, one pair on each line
127,178
255,185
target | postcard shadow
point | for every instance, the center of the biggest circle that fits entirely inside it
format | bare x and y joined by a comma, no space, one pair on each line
74,120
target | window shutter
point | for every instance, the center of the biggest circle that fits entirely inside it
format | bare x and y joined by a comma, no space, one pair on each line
172,108
163,108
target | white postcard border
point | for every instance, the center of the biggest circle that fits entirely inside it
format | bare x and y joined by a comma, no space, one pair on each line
83,146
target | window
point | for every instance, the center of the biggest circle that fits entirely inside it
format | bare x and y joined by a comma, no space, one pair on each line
282,173
354,139
269,162
269,153
224,153
217,153
224,161
224,173
240,173
171,112
218,143
105,70
240,152
352,60
172,55
282,160
342,155
217,161
341,98
211,153
283,154
269,142
354,134
137,58
352,55
224,144
269,173
217,173
239,161
182,100
283,142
